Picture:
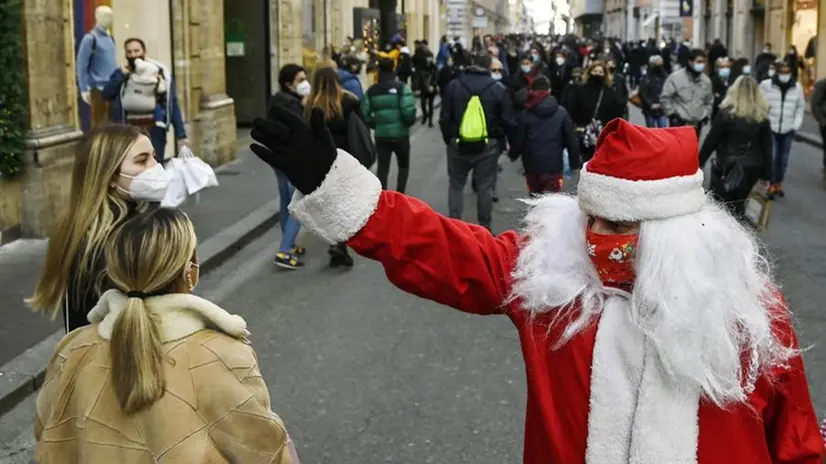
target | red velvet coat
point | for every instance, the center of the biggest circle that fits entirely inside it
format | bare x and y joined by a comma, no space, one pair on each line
465,267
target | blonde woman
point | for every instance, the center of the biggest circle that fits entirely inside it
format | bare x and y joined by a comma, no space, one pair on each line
162,375
115,175
742,138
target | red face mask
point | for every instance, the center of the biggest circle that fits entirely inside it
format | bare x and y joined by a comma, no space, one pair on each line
613,257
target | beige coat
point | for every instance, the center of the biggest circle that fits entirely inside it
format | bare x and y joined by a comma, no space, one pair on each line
216,408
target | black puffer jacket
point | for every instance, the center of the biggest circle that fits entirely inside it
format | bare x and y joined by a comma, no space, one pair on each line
496,101
731,137
544,133
651,86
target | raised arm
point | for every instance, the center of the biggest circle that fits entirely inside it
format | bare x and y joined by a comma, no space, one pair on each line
424,253
445,260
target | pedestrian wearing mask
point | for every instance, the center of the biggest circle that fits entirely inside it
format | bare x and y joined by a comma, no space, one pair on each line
619,84
740,67
338,107
545,132
294,88
786,105
818,105
687,97
570,87
529,70
115,176
651,86
162,372
720,82
741,136
592,105
560,72
449,72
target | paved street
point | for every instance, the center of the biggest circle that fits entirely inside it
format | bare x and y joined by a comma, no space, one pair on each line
363,373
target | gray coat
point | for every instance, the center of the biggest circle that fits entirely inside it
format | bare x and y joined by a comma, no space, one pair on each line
688,97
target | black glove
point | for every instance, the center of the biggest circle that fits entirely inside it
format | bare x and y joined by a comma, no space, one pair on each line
303,152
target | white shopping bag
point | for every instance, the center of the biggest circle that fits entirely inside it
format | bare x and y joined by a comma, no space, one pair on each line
176,192
197,174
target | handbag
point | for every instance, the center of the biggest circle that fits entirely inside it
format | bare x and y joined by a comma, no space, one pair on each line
635,98
361,142
590,133
196,173
759,208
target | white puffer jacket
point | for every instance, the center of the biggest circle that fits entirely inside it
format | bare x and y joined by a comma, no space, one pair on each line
785,114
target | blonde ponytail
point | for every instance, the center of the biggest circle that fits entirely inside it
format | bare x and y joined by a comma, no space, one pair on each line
137,357
149,254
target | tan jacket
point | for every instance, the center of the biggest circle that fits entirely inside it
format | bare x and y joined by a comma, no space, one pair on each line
216,408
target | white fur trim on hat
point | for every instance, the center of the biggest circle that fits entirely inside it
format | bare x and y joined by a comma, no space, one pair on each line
618,199
342,204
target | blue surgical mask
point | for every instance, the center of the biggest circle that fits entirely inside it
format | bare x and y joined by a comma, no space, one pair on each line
526,68
699,67
747,70
496,76
724,72
535,58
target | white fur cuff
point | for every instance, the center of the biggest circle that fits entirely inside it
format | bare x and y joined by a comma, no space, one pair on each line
342,204
627,200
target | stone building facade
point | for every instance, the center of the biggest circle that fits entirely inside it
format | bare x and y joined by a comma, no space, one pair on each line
29,203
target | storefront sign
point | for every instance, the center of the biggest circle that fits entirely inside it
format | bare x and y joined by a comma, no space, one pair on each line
235,36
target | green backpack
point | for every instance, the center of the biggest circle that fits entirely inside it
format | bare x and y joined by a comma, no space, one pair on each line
473,130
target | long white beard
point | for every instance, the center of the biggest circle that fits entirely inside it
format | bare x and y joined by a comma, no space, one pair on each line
704,294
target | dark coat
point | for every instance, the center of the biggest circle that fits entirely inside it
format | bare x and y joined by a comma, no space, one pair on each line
339,126
496,101
651,86
286,99
545,131
731,137
583,104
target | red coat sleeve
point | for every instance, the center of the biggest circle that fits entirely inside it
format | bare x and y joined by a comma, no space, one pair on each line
792,431
451,262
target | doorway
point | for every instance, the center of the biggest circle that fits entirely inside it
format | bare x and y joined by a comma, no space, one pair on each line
248,64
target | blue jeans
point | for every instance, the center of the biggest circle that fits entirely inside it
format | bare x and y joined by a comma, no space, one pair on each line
656,121
781,148
289,224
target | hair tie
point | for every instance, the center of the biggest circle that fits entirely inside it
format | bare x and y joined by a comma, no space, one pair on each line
136,294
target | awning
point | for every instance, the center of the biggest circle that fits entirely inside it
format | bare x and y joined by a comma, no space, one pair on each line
650,20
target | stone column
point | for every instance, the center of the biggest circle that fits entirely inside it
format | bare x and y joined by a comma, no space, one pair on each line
52,127
820,70
198,36
742,26
698,30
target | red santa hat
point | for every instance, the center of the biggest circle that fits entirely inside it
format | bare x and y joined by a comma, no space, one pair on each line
639,173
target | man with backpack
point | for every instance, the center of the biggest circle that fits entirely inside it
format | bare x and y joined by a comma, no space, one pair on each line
389,107
477,114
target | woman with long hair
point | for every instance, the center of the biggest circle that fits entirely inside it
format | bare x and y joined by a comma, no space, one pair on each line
742,138
161,371
115,175
338,106
592,105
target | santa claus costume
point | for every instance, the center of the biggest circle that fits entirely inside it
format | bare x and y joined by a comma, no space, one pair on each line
673,346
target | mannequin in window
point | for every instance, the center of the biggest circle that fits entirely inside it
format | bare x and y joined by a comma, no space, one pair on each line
96,61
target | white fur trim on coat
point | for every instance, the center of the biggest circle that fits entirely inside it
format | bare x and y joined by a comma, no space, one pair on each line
180,315
638,414
342,204
618,199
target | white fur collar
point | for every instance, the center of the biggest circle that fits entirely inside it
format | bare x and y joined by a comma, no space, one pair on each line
180,315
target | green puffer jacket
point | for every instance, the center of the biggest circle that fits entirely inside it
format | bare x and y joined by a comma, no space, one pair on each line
389,107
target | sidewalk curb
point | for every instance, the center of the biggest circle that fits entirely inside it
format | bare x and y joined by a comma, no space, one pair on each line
809,139
24,374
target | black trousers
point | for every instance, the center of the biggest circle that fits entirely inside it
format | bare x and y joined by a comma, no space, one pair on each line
385,149
823,137
427,108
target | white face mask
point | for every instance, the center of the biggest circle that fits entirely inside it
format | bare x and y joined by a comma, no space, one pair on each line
746,70
771,72
303,89
784,78
526,68
559,60
149,185
496,76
